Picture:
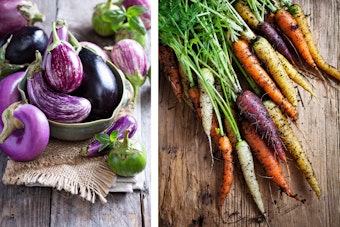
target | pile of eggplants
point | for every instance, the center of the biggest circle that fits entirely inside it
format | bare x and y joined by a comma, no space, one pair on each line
74,83
19,38
66,83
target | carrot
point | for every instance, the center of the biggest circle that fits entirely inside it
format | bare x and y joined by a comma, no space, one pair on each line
169,64
252,109
228,169
247,165
268,56
253,67
265,28
293,145
292,30
266,157
301,20
295,75
194,94
206,105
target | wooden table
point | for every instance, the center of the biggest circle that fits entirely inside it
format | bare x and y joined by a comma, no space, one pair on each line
37,206
188,189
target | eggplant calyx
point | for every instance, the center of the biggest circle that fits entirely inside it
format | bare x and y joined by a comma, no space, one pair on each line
123,148
30,12
56,41
34,67
10,122
5,67
136,80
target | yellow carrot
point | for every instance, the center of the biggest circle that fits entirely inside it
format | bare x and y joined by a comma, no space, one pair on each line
295,75
301,19
293,145
266,53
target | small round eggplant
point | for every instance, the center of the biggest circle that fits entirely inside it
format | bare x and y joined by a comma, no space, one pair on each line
24,43
25,133
15,14
9,90
99,85
100,26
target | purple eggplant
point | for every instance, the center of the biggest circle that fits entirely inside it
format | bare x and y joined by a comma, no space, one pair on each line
25,133
146,17
9,93
127,122
59,107
62,33
23,44
63,68
99,86
15,14
130,57
95,48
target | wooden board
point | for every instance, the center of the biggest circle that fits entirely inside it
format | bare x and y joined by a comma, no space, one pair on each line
35,206
188,188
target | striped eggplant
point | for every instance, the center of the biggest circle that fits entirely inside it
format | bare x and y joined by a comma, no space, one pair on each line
57,107
63,68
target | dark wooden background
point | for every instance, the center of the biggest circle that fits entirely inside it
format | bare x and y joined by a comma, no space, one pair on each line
35,206
188,191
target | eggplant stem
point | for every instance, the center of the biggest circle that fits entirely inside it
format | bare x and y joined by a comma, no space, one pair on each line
10,123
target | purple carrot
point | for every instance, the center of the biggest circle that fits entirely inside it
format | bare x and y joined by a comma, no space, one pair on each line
127,122
270,33
252,109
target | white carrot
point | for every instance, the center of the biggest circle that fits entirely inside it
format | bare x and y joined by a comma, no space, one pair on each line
206,105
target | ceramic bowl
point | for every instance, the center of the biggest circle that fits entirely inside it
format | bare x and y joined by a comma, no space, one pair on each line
85,130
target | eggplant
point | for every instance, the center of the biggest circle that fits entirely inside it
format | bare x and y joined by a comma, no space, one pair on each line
127,122
23,44
62,32
99,85
15,14
9,92
57,106
95,48
63,68
130,57
25,132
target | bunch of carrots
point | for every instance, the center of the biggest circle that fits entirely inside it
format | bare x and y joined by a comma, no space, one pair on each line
209,46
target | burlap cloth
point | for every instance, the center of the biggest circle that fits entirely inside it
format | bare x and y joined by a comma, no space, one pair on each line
60,166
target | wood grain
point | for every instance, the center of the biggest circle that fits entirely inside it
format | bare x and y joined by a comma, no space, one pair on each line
188,189
35,206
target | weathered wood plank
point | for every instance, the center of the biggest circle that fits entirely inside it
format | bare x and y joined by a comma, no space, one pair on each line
23,206
188,189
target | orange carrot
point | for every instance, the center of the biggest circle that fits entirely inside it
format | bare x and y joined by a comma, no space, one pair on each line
253,67
292,30
194,94
223,144
228,169
267,158
169,64
301,19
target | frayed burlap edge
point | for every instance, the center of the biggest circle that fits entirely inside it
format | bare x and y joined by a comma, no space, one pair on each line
88,179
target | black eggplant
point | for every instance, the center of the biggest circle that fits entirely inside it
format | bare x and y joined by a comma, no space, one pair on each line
23,44
99,86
